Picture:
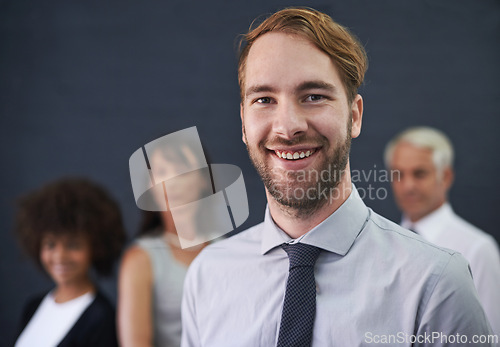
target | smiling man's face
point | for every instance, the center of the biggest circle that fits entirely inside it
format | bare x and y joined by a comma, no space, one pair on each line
296,119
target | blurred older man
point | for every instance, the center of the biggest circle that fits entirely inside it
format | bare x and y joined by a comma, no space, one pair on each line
423,157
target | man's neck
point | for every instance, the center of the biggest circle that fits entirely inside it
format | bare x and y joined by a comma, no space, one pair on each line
296,226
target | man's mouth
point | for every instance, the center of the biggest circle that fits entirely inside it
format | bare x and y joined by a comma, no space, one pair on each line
411,199
294,155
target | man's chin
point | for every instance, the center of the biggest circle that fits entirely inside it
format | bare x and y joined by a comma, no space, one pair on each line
301,200
412,212
300,208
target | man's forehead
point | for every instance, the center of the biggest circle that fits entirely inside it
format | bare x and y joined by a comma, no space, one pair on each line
409,147
274,38
408,154
279,46
278,58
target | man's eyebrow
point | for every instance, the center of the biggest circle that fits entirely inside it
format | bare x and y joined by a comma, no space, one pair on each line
259,88
316,85
308,85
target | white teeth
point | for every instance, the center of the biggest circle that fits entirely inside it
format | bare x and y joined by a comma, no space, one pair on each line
294,156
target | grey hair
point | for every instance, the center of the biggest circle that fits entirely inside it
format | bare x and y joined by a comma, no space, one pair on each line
424,137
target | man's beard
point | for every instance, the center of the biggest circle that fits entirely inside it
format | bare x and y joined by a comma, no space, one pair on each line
302,192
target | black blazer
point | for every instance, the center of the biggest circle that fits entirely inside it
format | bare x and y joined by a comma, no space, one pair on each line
95,327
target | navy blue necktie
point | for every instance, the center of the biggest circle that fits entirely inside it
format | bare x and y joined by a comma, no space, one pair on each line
299,307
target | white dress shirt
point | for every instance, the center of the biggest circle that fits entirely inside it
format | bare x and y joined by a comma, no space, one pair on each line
444,228
375,282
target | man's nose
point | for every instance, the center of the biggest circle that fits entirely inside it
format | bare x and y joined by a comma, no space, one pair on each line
408,183
289,121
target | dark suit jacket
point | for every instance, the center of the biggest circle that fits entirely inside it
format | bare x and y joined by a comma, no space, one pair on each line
95,327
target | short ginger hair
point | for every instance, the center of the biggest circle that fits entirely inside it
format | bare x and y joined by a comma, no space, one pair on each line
343,48
68,207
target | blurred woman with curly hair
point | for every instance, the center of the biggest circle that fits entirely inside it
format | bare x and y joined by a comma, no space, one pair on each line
69,227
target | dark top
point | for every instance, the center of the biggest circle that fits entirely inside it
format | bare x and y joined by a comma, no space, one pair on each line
95,327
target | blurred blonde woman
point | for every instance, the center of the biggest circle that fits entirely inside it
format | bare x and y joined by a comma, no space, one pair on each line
153,269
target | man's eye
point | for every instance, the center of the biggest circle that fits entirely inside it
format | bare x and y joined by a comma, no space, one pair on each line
420,174
315,97
264,100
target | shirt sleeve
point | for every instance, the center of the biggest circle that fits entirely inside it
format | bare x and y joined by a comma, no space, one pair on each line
453,314
190,334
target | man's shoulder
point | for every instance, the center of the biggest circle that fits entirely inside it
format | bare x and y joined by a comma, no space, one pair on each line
479,247
246,241
467,230
412,252
250,236
411,242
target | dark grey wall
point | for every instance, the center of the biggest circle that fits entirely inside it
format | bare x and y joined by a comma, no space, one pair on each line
83,85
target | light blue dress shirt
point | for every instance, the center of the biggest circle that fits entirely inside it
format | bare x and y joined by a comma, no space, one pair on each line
376,282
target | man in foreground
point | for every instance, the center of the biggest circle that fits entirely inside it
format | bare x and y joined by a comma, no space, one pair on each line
322,269
423,159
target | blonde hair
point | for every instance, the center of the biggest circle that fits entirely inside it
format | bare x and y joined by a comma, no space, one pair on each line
344,49
424,137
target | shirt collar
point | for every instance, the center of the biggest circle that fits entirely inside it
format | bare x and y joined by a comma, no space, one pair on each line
336,233
431,224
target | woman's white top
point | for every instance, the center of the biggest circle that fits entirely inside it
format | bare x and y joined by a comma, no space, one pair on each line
52,321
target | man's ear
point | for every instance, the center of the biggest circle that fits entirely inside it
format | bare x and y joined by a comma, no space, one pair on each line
448,177
357,115
243,136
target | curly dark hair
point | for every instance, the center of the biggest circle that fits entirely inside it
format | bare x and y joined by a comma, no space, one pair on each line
67,207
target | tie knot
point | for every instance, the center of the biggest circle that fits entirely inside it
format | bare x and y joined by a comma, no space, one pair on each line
300,254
